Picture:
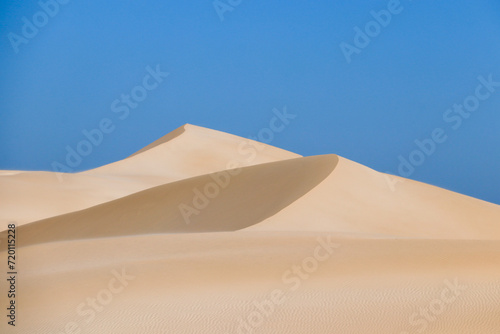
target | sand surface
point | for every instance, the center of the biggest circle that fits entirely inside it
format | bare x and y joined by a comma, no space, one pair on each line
206,232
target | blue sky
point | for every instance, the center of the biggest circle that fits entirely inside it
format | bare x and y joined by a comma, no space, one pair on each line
230,66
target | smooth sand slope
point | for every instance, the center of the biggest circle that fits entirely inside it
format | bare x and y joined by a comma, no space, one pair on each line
177,238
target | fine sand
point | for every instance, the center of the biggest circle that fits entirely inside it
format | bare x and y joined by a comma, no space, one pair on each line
206,232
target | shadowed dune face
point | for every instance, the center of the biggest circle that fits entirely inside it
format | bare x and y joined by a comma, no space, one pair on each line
207,203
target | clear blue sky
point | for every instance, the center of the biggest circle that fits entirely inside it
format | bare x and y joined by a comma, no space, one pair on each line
229,75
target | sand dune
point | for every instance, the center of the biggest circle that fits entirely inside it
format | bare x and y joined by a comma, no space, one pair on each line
357,199
186,152
222,198
205,232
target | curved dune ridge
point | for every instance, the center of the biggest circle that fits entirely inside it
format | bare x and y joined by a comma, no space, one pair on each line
206,232
178,206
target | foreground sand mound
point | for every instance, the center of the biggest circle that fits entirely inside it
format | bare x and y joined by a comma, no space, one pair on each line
177,238
255,282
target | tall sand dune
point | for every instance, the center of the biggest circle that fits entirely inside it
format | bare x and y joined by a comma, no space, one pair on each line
206,232
186,152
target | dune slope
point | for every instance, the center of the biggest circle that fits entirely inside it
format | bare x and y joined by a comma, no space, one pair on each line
207,203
